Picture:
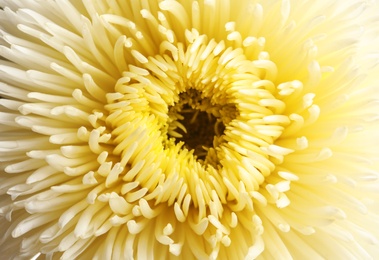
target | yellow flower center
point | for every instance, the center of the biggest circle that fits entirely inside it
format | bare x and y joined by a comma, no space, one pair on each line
204,111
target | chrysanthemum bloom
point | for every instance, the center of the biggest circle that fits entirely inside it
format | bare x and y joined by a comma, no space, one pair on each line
189,129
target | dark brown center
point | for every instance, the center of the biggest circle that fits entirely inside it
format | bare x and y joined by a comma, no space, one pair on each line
201,128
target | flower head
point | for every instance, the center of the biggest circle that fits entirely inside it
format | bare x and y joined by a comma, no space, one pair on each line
189,129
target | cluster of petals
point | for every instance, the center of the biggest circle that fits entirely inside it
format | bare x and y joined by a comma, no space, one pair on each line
94,163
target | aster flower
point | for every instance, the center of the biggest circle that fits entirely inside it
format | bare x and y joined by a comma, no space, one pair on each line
189,129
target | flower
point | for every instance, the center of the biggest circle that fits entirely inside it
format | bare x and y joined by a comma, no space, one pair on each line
189,129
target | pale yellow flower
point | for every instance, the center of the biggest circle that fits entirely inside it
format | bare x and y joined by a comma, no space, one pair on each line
209,129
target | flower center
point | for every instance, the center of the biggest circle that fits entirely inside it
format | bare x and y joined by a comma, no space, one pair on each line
201,129
196,123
